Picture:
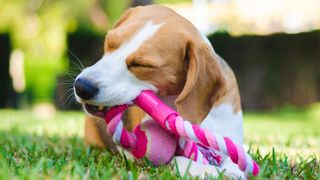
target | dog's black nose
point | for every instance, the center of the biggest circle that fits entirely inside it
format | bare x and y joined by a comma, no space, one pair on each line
85,89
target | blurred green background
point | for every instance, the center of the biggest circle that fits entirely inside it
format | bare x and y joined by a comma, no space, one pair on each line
274,52
273,46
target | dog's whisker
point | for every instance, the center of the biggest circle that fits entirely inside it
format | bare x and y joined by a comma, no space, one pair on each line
78,59
68,91
71,99
68,86
64,83
73,78
66,100
81,65
78,67
73,73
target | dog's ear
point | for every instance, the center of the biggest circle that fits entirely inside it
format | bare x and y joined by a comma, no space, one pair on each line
123,18
205,83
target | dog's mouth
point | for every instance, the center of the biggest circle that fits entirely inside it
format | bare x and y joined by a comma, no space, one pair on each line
98,111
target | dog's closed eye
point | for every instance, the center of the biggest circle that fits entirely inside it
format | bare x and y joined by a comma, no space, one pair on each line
140,64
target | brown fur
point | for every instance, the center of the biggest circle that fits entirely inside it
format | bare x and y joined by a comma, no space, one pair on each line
177,61
95,130
91,133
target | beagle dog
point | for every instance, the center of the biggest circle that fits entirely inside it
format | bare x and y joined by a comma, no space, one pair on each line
154,48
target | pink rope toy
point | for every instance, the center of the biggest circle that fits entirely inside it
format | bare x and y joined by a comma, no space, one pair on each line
160,144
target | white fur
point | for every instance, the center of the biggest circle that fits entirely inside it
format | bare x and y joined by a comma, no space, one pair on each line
117,85
224,121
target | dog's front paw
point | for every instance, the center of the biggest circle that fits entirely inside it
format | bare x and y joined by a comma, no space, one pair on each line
203,171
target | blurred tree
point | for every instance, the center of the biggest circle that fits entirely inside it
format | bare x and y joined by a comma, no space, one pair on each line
39,29
273,70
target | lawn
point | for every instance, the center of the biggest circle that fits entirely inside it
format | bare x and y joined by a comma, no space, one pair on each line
286,143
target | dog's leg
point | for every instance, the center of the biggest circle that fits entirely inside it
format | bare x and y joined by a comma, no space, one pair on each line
95,134
203,171
95,130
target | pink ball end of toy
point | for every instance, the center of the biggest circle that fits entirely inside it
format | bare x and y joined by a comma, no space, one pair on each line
158,145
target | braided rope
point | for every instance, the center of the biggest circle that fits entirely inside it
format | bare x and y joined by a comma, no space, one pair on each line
127,139
190,135
186,130
116,130
170,120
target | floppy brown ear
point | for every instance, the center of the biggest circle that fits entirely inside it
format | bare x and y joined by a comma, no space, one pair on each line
123,18
205,83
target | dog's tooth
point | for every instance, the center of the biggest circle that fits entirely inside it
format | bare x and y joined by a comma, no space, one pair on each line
101,108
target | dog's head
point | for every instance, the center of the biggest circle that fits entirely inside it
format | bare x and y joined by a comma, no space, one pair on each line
153,48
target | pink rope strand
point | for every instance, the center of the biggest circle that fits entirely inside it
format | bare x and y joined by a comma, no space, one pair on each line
189,134
128,140
167,117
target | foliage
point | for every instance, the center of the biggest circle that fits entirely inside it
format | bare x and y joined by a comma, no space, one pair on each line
53,148
39,28
273,70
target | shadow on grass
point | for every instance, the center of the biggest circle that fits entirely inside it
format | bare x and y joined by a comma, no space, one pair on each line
31,156
61,154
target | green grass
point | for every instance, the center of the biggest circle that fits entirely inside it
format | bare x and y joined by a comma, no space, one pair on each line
285,143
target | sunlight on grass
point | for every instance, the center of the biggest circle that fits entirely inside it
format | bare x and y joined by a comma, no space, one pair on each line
62,123
293,132
285,143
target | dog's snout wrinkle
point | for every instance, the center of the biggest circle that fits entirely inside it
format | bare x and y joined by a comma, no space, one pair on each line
85,88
